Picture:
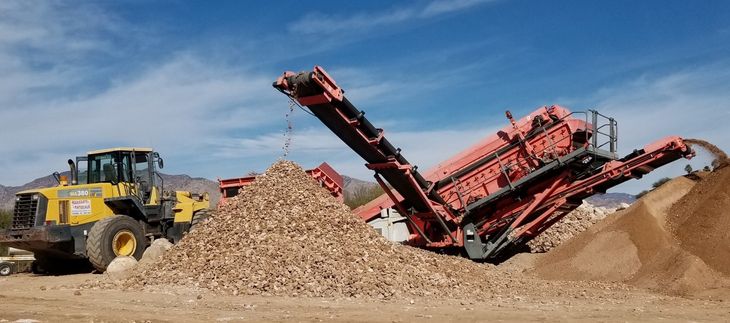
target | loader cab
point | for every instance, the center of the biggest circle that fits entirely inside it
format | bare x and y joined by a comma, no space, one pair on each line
135,169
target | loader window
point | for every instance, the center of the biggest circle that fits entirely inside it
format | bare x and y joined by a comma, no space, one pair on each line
102,169
82,166
141,167
126,171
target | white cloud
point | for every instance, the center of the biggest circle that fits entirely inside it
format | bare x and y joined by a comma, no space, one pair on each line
42,46
313,145
185,107
59,98
181,108
446,6
318,23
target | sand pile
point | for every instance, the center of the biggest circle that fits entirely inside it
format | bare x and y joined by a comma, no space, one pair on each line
701,220
570,225
284,235
636,246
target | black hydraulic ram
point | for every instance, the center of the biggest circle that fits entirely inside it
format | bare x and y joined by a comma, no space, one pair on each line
326,100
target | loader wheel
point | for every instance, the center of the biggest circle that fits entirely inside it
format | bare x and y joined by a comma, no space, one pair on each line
199,217
118,235
5,269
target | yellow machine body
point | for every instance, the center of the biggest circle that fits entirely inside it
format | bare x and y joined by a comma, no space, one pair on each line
56,222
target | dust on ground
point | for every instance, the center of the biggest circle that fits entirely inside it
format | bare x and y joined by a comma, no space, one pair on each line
56,299
284,250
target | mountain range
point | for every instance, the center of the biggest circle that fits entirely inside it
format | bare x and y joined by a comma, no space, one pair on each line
198,184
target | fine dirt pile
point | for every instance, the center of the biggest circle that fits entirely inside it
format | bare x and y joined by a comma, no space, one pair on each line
636,246
570,225
285,235
701,220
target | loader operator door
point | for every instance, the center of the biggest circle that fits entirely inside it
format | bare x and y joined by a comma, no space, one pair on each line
129,169
144,179
106,168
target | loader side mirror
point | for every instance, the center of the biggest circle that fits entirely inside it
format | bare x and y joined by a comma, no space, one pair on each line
57,177
160,163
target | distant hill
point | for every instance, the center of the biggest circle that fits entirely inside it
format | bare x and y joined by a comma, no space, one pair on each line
611,200
354,185
171,182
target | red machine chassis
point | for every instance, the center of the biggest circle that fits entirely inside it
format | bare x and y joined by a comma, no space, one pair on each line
324,174
501,192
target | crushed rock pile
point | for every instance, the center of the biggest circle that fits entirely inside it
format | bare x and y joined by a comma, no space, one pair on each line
679,250
285,235
577,221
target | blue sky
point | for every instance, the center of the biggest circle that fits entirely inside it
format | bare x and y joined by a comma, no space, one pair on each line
193,78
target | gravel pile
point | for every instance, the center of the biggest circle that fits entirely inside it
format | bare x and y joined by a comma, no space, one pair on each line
573,223
285,235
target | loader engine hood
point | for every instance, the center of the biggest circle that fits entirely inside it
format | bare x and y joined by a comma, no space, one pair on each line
57,205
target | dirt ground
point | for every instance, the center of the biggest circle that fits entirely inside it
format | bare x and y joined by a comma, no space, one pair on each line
28,297
624,268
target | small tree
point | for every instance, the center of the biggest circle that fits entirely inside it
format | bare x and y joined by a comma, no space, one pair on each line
707,168
688,169
363,196
661,182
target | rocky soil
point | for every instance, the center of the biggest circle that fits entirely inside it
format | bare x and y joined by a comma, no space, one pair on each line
284,235
573,223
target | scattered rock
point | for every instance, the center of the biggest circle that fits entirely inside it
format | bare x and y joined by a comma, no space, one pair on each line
577,221
155,251
285,235
120,267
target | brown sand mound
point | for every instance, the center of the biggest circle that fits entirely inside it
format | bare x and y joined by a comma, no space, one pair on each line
701,220
634,246
721,158
285,235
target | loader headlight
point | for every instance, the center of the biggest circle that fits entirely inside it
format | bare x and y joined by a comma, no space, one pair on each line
17,198
34,197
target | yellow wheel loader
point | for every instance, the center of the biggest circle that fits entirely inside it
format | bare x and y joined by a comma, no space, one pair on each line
113,205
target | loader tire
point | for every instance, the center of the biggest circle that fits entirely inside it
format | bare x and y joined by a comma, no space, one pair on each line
199,217
118,235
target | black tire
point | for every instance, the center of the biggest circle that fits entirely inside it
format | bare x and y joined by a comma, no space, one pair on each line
199,217
100,244
38,268
5,269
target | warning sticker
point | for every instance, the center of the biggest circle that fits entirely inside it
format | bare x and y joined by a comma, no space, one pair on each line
80,207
